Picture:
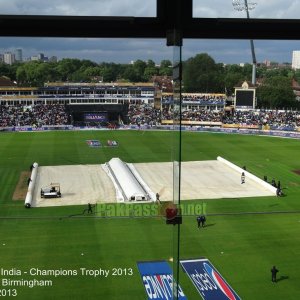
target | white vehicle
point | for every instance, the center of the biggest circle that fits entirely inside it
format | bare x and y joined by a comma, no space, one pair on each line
51,191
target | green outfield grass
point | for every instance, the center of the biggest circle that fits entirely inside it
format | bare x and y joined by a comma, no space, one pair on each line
242,246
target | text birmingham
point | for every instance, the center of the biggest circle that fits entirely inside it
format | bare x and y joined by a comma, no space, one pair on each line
24,282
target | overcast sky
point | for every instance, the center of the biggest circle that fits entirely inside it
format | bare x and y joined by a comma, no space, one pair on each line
124,51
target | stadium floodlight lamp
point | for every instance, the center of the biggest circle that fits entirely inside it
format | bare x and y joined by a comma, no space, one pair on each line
237,5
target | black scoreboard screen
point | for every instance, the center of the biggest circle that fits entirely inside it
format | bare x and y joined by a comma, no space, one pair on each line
244,98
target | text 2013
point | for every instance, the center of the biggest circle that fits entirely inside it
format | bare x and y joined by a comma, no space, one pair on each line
8,293
122,272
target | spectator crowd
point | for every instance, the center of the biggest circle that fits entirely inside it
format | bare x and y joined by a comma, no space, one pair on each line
146,114
36,115
282,120
141,114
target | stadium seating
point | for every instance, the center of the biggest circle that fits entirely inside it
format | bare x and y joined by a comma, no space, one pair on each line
146,114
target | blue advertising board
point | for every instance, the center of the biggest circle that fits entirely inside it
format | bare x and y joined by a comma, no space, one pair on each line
208,281
158,280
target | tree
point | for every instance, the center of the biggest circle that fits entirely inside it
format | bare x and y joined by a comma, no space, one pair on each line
66,67
231,80
276,93
297,75
165,63
150,70
36,73
92,71
28,74
233,75
4,69
139,67
165,68
109,71
202,74
86,63
150,63
130,74
79,76
277,72
46,72
261,71
21,75
247,71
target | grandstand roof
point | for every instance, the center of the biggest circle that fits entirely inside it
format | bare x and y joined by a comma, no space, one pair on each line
16,88
5,81
102,84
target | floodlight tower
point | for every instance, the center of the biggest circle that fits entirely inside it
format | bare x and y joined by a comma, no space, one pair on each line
239,6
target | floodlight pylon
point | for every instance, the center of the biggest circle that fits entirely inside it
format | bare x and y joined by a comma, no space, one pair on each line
237,5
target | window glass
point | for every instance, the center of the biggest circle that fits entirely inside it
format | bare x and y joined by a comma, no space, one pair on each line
97,50
67,105
236,52
86,109
228,117
80,8
274,9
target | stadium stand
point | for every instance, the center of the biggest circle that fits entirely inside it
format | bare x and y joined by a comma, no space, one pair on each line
83,104
276,120
141,114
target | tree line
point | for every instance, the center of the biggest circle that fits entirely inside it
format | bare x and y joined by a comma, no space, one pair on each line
201,74
36,73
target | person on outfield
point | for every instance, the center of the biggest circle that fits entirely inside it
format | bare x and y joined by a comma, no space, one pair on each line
274,272
202,220
199,221
278,192
157,198
243,178
90,208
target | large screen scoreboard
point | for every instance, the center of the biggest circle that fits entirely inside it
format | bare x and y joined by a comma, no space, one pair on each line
245,98
95,117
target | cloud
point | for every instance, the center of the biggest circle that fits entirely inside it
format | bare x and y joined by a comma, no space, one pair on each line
126,50
117,50
80,8
275,9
